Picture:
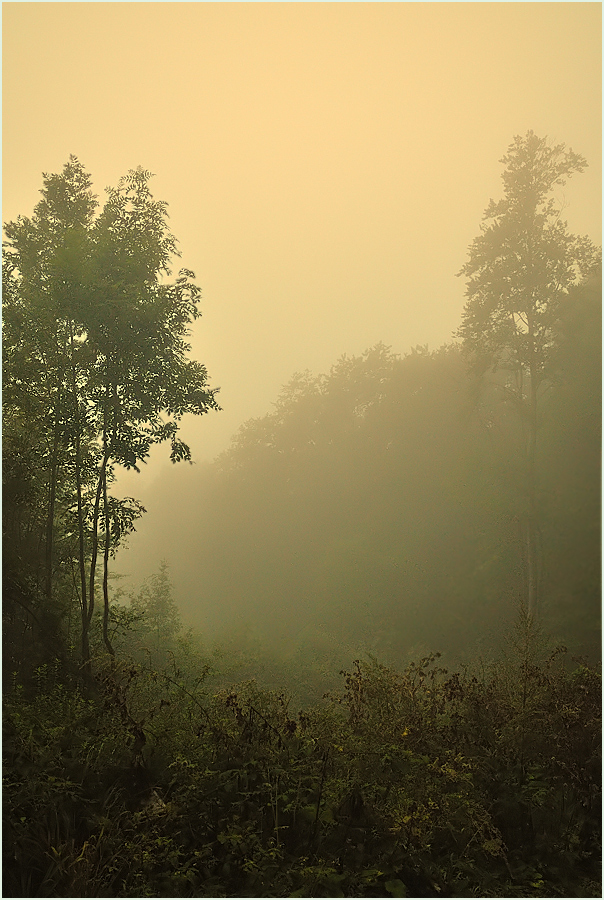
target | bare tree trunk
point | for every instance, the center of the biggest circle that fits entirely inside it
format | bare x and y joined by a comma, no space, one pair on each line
106,556
532,548
101,490
53,476
52,496
95,536
81,554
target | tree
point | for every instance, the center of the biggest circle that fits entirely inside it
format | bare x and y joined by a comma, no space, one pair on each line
43,262
96,357
42,258
571,461
519,272
158,615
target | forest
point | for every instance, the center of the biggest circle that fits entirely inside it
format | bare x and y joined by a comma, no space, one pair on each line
367,661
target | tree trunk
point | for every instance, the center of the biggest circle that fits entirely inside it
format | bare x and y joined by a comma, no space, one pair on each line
52,487
95,535
52,496
81,545
532,548
106,559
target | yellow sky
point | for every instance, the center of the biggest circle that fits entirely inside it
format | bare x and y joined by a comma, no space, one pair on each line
326,164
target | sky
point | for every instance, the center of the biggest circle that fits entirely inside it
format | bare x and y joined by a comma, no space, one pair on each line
326,165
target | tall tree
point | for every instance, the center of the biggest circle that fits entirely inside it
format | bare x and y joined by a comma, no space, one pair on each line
44,259
519,272
97,334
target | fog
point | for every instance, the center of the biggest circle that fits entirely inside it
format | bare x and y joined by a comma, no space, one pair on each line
326,167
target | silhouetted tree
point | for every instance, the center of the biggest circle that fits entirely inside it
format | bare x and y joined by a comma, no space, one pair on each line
519,272
96,357
158,618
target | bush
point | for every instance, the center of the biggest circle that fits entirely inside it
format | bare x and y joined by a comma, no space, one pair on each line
418,782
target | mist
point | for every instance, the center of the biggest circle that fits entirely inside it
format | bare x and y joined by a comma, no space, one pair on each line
302,449
326,166
342,174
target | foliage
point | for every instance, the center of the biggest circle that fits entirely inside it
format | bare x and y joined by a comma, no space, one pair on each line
381,508
96,371
382,504
157,614
419,783
524,262
519,273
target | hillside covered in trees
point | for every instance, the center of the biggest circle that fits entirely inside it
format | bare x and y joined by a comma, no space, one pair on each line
402,504
381,505
368,664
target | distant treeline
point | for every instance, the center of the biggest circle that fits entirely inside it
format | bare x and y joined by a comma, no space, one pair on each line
412,503
383,504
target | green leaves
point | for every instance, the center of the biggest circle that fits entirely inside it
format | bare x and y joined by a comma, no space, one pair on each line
95,359
396,888
240,808
522,264
520,271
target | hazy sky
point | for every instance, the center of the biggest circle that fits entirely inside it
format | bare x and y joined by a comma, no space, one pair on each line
326,165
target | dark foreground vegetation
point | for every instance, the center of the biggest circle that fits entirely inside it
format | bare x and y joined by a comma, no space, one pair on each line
393,506
158,782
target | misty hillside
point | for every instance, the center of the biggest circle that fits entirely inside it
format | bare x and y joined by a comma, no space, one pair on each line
379,507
